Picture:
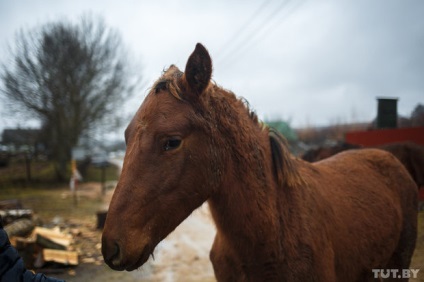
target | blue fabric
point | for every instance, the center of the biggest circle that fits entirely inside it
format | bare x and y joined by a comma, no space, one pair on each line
12,266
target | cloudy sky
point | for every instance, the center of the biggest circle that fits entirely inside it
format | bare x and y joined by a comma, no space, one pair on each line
311,62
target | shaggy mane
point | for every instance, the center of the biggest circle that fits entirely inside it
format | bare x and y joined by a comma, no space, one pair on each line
170,81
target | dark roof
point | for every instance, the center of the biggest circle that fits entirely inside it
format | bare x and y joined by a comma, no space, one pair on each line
20,136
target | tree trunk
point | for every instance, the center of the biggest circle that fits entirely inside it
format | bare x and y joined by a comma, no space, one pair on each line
21,227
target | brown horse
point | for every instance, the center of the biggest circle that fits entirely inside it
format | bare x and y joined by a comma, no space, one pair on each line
411,155
277,218
320,153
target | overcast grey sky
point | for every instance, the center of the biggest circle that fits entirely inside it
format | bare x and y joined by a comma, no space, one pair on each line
312,62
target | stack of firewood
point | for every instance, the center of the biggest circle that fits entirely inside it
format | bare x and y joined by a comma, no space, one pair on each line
36,245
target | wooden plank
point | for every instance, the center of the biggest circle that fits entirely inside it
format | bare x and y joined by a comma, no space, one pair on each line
50,244
62,257
53,235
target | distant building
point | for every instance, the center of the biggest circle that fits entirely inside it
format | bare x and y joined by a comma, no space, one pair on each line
385,128
387,115
20,139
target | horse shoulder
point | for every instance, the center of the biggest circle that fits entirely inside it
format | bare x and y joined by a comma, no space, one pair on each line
226,265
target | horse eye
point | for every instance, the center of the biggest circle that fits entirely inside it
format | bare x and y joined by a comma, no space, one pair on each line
172,144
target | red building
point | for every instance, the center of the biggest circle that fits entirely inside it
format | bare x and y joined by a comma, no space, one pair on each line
372,138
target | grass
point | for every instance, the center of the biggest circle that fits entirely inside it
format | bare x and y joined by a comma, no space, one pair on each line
45,195
95,173
15,174
43,175
49,203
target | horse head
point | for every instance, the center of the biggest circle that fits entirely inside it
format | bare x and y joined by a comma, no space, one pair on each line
163,177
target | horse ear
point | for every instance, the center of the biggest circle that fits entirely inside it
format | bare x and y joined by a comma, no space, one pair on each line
198,70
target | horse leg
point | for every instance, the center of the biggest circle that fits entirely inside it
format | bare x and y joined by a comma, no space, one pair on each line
402,256
225,265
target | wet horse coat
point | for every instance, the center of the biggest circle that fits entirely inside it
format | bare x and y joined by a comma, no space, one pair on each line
277,218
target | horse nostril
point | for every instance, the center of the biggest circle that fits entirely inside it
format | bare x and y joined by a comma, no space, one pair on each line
116,251
112,254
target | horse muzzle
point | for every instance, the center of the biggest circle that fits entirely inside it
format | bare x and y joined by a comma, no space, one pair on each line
117,258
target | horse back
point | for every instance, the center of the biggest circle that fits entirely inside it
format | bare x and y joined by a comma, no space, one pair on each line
369,178
383,169
369,198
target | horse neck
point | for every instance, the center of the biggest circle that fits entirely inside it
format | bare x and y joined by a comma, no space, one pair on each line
244,207
255,222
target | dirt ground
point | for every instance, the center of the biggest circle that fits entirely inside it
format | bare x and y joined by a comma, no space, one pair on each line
182,256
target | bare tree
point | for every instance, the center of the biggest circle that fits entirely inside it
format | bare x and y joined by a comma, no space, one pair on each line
417,115
69,76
